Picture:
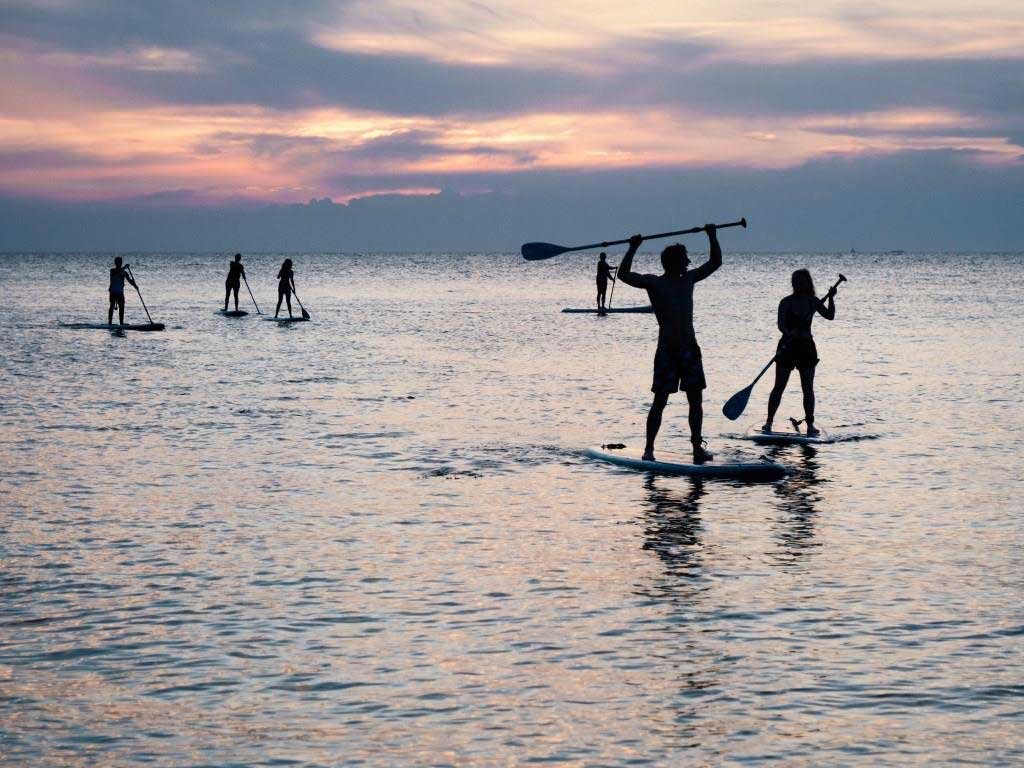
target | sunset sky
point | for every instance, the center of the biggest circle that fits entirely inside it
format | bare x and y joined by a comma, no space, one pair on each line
212,105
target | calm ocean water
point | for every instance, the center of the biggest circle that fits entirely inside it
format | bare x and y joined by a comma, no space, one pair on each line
372,539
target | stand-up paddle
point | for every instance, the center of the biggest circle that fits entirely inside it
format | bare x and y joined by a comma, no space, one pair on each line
305,314
136,284
611,295
540,251
735,405
251,296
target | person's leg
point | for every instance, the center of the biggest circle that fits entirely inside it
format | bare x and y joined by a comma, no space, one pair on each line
775,398
695,400
807,384
288,298
654,423
110,310
120,310
235,288
227,294
280,298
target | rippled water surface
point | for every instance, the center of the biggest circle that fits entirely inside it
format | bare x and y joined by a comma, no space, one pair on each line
372,538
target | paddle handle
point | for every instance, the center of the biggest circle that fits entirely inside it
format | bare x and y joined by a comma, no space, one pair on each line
691,231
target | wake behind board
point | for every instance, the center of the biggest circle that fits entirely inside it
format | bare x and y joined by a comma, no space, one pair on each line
231,312
286,319
612,311
115,326
737,470
755,434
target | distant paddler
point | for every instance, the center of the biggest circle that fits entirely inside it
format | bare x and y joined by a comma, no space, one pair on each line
677,363
117,277
236,273
605,272
285,286
796,348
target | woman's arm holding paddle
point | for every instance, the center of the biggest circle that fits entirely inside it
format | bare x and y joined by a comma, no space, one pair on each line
625,271
827,307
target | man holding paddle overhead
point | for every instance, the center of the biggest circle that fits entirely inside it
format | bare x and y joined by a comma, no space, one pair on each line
677,363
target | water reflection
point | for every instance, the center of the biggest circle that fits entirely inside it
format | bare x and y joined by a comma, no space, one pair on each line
798,501
672,526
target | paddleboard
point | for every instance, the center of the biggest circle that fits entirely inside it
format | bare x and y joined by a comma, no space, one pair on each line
116,327
793,437
739,470
286,319
231,312
613,311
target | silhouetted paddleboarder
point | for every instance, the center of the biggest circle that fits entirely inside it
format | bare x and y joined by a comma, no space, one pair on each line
796,347
604,273
677,363
118,275
285,286
234,280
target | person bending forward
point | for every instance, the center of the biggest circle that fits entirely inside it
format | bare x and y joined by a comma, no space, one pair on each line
677,362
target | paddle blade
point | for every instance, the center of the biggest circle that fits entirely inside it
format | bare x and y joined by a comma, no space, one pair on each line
540,251
305,314
735,405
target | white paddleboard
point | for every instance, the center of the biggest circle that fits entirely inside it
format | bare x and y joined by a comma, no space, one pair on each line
115,326
612,311
231,312
791,437
739,470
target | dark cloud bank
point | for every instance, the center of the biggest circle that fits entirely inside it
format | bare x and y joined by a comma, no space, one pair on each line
919,200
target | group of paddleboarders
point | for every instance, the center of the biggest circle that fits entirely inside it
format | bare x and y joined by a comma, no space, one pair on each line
285,284
678,364
232,284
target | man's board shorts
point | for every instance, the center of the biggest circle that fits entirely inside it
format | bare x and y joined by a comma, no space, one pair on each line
233,283
678,369
602,283
797,353
117,297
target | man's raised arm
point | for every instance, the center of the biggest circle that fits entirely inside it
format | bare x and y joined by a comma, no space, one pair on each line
715,260
625,272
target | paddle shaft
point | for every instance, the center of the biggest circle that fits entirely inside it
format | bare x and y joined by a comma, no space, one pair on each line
251,296
690,231
615,279
305,314
136,284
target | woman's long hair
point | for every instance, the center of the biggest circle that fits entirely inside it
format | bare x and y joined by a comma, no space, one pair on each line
802,283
